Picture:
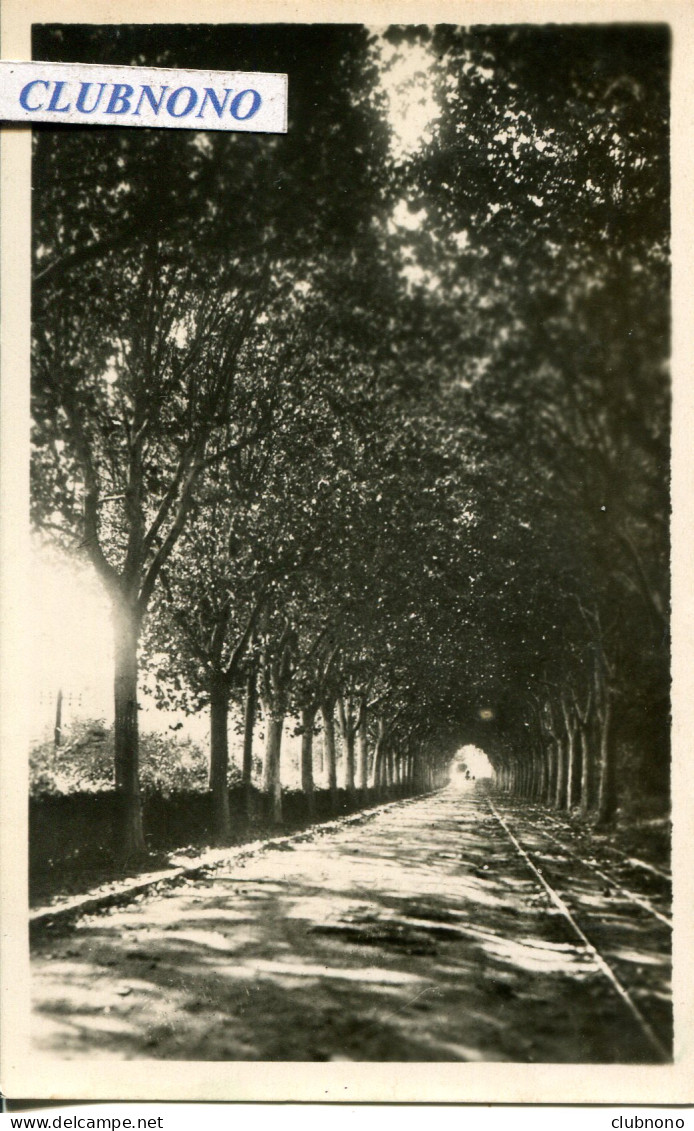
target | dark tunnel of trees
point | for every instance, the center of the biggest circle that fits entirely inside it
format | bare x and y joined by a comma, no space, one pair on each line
374,438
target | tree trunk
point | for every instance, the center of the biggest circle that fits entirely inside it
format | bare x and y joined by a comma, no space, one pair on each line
308,716
380,765
540,774
573,782
328,715
528,776
389,768
348,740
363,753
523,778
420,779
248,727
377,768
129,836
560,791
58,728
272,784
586,772
549,776
219,760
571,756
607,782
347,735
409,777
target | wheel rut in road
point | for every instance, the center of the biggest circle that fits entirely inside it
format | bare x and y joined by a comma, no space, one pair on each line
417,934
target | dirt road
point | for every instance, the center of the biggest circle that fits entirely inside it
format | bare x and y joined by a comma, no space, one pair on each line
418,934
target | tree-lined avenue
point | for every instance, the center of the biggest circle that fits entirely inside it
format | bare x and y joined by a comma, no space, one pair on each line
366,436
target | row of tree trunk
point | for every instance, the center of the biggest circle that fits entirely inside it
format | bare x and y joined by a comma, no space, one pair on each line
372,757
571,765
378,765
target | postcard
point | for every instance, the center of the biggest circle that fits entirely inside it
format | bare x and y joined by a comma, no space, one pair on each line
346,617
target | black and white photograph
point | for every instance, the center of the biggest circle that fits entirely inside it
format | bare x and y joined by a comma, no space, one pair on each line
348,711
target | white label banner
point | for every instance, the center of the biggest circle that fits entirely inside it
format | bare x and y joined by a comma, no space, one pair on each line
89,94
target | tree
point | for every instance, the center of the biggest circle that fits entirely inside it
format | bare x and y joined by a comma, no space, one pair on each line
122,439
137,355
545,189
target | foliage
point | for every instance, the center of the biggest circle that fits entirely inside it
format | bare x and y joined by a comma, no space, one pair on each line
84,761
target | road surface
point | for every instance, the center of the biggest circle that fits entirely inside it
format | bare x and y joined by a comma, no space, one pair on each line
420,933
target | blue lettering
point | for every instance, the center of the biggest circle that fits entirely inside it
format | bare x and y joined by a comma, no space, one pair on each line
219,106
55,99
236,105
119,102
148,93
26,90
82,97
192,100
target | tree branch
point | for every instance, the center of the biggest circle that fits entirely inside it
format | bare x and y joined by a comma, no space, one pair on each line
169,542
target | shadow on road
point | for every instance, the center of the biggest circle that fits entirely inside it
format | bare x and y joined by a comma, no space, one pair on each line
416,936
